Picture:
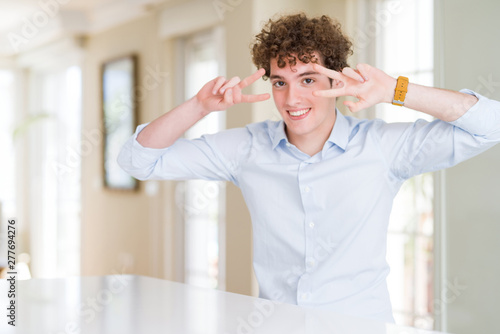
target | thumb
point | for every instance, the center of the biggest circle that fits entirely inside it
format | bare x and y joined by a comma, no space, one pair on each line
356,106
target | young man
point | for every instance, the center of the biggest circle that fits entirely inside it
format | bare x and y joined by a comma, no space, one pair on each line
319,185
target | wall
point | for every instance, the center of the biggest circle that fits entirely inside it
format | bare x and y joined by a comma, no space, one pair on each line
470,53
118,228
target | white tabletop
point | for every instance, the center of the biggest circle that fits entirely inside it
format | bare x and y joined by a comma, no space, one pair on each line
135,304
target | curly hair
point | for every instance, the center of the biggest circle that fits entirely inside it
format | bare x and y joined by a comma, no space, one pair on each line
296,36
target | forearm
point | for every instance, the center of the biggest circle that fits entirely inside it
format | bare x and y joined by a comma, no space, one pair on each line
166,129
217,94
443,104
371,86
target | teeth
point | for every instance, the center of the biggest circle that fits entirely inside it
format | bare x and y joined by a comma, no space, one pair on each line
299,112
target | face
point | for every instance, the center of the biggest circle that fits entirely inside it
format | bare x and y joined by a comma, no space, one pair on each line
307,117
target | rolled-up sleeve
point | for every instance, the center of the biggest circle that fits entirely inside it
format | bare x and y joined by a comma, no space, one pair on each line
420,147
482,119
210,157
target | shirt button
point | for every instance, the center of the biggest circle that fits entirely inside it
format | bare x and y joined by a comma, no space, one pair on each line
311,225
307,189
303,296
310,264
288,144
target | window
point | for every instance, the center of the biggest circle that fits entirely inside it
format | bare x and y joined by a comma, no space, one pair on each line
54,160
7,166
202,201
411,227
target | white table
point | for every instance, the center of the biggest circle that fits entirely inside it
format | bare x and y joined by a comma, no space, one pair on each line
135,304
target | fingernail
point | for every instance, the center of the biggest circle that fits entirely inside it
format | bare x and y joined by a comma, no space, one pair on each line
229,92
222,90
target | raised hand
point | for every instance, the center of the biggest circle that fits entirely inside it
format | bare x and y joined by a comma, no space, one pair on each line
220,93
366,83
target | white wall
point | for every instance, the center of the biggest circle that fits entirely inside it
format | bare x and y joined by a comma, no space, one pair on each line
470,54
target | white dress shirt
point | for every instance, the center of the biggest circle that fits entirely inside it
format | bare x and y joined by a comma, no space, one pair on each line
320,222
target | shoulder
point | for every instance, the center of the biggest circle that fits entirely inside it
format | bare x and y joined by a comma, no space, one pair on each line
263,127
379,125
379,130
248,130
241,139
359,126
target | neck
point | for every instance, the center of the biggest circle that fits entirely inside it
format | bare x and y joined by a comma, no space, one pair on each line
312,143
309,148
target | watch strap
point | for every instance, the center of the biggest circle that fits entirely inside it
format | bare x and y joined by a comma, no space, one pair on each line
400,91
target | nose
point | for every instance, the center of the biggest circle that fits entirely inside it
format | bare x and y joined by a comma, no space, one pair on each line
293,97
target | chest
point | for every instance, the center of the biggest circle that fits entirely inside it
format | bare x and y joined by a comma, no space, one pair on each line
340,179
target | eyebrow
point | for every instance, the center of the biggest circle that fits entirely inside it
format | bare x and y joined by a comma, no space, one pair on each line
304,74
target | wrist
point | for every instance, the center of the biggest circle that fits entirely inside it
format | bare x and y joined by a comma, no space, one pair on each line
198,107
391,87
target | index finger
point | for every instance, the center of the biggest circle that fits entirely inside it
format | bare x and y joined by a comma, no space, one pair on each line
252,78
255,98
329,73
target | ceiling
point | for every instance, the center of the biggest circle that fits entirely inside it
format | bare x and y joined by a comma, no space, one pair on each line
12,12
62,16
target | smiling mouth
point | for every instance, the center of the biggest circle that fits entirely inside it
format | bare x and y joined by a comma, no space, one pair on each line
300,112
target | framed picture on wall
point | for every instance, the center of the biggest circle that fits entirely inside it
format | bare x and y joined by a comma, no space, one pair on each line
119,116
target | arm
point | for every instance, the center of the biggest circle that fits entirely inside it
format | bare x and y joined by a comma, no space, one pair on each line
156,151
466,125
217,94
372,86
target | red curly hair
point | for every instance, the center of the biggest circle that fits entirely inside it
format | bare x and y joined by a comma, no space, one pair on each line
295,37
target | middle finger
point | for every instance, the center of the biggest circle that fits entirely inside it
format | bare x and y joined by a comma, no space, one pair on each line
252,78
229,84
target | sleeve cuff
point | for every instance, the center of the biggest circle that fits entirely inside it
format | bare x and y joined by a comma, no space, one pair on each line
475,120
145,153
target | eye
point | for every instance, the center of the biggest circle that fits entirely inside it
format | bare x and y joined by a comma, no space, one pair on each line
308,81
278,84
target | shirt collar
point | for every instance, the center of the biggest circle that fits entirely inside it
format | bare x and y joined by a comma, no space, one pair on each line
339,135
279,134
340,132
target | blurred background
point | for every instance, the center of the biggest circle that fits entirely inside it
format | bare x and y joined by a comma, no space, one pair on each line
77,76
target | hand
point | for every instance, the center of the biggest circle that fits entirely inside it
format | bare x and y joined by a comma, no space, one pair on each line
366,83
220,93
